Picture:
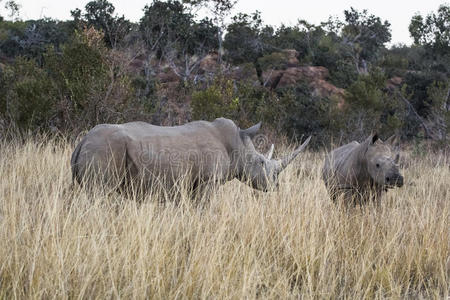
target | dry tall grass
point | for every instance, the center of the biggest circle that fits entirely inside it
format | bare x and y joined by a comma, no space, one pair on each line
59,241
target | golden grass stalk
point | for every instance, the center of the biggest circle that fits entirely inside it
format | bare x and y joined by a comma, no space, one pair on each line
59,240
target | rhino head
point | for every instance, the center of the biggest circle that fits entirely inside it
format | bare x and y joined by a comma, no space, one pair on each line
381,161
261,171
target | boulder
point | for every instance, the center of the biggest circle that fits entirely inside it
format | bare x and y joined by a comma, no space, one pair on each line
167,75
294,75
291,57
394,82
323,88
209,64
314,76
245,72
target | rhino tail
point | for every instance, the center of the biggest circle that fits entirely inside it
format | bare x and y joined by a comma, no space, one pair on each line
75,164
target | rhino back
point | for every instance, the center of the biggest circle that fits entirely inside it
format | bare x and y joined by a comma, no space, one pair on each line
200,148
147,151
341,165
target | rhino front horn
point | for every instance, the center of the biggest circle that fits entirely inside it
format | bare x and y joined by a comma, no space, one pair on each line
288,159
270,153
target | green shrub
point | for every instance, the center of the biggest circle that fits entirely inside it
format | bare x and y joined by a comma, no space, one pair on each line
30,98
276,61
370,107
79,70
218,100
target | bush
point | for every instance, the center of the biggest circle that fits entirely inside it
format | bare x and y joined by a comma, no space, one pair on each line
369,107
218,100
29,95
303,114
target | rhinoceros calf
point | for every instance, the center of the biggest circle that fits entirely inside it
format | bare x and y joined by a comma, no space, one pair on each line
362,172
202,152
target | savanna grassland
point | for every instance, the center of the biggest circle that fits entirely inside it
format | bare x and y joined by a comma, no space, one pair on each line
59,240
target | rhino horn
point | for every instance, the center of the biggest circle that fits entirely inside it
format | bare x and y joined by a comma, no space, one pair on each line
270,153
397,158
287,160
252,131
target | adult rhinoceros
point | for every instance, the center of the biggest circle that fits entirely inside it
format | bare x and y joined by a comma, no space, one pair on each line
361,172
205,152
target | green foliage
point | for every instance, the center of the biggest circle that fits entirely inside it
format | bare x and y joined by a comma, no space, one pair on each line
31,38
79,70
10,35
100,15
217,100
367,31
370,108
303,114
169,26
246,38
433,31
362,37
100,67
276,61
29,95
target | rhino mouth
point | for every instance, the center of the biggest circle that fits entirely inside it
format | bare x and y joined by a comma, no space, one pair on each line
393,181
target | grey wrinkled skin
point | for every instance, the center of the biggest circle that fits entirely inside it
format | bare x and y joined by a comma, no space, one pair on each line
201,152
362,172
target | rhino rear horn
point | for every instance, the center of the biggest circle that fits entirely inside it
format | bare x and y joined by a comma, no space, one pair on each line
252,131
288,159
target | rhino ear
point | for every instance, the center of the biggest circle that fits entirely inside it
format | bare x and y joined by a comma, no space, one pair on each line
397,158
372,139
392,141
250,132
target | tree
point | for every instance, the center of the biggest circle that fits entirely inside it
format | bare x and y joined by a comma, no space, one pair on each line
100,15
363,34
13,7
164,23
246,38
171,32
433,31
220,9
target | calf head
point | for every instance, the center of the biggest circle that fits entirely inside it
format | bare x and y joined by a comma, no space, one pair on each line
381,161
261,171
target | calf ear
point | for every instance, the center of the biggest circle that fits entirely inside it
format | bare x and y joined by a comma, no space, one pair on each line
371,139
374,138
250,132
392,140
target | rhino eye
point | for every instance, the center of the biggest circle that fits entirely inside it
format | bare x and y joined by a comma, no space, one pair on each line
378,165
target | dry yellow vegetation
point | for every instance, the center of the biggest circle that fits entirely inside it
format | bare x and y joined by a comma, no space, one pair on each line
62,241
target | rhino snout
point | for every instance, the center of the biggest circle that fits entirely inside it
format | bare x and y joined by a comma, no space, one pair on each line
394,180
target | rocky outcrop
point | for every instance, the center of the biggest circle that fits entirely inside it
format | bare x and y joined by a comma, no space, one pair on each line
291,57
394,82
245,72
209,64
315,77
287,73
167,75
